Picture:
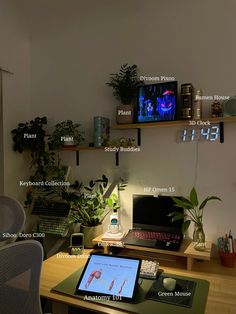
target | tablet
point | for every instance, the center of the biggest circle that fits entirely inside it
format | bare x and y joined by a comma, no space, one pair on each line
110,277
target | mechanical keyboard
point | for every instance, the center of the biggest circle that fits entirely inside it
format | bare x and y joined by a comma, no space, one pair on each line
52,225
155,239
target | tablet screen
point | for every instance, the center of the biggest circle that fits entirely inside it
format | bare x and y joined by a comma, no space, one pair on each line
109,275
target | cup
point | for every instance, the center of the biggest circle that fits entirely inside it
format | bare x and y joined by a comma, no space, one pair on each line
227,259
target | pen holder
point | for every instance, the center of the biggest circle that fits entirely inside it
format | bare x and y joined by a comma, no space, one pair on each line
227,259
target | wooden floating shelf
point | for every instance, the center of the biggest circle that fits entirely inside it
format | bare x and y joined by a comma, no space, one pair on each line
79,148
169,123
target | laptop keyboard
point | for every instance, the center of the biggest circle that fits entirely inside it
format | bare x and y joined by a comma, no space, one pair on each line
155,239
154,235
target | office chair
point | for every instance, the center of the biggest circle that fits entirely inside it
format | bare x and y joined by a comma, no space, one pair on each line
12,219
20,267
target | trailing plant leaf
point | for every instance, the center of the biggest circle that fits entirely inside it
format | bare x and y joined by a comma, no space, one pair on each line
203,204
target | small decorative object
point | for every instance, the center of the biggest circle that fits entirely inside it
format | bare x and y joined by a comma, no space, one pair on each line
216,109
193,213
197,104
66,133
101,131
186,101
227,250
125,87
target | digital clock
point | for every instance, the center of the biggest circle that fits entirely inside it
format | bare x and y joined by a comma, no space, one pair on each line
212,133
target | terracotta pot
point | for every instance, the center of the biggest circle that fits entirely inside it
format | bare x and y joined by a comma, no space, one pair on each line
89,234
125,114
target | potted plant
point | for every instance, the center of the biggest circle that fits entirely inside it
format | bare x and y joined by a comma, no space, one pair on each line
66,133
90,207
125,85
30,136
193,213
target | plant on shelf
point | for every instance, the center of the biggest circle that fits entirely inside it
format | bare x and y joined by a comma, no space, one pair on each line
89,206
121,142
30,136
125,85
193,213
66,133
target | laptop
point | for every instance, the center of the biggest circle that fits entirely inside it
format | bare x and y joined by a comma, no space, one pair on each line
152,227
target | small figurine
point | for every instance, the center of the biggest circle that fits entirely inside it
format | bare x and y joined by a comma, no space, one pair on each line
216,109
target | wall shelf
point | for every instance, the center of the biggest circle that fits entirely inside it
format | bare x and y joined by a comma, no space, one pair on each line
77,149
169,123
185,123
139,126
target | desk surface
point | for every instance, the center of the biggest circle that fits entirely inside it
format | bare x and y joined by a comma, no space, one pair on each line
222,293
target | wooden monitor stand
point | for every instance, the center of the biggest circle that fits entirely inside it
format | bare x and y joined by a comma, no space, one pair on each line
186,250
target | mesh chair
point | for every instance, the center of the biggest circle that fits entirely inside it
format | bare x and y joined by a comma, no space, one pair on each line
12,219
20,267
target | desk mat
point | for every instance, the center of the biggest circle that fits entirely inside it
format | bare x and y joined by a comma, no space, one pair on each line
142,304
182,295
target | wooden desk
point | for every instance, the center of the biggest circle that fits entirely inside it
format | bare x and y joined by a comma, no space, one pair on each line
221,299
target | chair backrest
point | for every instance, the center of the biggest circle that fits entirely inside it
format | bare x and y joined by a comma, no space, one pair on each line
20,268
12,219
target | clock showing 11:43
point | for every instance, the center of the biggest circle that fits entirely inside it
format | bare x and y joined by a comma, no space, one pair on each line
211,133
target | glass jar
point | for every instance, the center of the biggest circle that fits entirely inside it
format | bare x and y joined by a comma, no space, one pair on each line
199,242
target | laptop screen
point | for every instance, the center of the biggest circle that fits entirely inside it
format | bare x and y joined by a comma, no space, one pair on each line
151,213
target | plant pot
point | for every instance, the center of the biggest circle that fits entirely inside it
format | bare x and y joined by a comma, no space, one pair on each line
68,140
227,259
125,114
90,233
199,241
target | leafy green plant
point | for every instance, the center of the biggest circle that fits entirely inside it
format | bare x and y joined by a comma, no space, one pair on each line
30,136
121,142
125,83
65,129
89,205
193,209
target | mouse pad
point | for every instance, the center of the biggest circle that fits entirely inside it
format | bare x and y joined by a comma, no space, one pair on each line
182,295
142,304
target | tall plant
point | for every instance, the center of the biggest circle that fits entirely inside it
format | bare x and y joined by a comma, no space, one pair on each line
193,209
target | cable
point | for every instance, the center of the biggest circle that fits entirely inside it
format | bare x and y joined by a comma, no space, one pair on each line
196,166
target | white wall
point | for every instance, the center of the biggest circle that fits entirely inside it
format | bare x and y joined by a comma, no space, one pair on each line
15,56
76,44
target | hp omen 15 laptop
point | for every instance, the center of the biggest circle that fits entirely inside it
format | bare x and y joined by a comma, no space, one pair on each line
152,227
